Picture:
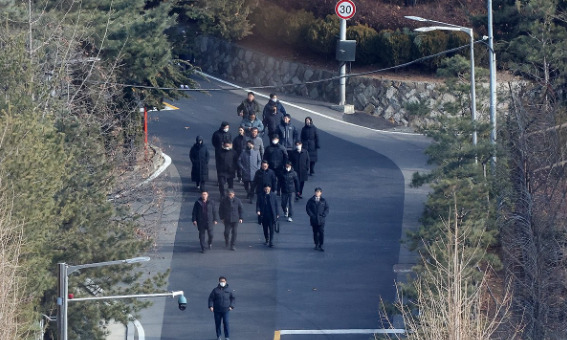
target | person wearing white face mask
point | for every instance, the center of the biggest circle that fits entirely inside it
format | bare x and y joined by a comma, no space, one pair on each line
219,137
300,161
221,302
273,114
276,155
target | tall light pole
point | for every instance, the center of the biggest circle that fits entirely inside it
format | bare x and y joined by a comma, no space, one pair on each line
492,65
63,287
456,28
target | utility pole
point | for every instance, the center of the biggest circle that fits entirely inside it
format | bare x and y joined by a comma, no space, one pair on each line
492,66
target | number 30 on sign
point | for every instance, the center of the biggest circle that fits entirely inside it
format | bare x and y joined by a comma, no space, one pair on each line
345,9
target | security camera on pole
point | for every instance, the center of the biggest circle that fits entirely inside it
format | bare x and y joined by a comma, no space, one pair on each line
345,9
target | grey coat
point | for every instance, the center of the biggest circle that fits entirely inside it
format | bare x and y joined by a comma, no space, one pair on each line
249,162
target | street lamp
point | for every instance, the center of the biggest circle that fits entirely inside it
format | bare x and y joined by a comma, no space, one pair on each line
62,300
469,31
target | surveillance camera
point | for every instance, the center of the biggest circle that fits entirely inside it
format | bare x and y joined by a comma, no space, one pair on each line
182,301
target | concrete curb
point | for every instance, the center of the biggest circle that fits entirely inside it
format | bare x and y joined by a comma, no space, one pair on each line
160,170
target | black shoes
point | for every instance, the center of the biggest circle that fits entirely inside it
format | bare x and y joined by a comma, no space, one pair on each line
271,245
319,248
232,248
226,243
267,242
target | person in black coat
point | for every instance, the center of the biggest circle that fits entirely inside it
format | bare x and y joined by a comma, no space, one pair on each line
226,166
310,140
220,137
221,302
204,218
267,210
290,187
300,162
317,208
273,114
239,145
230,213
264,176
199,156
276,155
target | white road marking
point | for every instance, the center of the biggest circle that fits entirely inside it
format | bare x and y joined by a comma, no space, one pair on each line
237,87
342,331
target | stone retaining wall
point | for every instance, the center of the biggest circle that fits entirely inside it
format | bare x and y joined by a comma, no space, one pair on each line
384,98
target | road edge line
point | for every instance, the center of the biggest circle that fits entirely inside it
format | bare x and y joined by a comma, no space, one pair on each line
165,165
237,87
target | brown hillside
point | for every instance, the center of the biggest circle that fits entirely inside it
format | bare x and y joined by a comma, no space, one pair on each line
389,14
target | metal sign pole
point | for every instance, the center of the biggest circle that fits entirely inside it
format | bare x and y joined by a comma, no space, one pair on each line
342,70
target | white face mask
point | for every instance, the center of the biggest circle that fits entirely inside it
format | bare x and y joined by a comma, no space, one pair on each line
225,129
227,147
275,100
288,169
222,284
298,148
275,141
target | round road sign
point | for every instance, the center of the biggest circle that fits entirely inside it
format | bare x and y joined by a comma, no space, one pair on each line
345,9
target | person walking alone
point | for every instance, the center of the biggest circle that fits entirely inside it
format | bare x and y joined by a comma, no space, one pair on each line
221,302
310,140
230,213
267,210
290,187
204,218
199,156
317,208
249,162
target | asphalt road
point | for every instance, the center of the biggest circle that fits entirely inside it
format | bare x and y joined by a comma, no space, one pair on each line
364,176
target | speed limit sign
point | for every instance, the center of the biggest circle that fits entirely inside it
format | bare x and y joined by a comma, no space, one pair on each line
345,9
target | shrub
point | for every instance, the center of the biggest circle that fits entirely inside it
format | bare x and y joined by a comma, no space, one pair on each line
367,43
268,21
429,43
322,35
295,26
394,47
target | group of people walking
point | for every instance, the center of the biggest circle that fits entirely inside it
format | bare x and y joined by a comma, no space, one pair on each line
277,171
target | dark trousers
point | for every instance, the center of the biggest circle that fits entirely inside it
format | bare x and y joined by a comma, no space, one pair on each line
312,167
268,226
279,182
287,202
201,185
249,187
229,228
202,232
222,317
318,234
223,180
301,185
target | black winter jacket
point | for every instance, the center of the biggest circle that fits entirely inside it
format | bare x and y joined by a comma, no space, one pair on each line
226,163
230,210
300,162
263,206
290,183
263,177
276,155
310,140
220,137
317,211
221,299
205,221
199,156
